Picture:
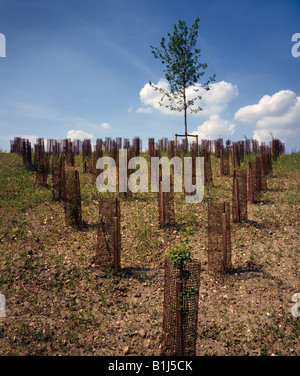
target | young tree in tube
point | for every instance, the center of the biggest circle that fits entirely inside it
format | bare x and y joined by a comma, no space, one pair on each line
183,69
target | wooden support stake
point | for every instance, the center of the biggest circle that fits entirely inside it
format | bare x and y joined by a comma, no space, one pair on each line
76,202
117,207
236,199
162,206
116,244
251,184
224,237
221,161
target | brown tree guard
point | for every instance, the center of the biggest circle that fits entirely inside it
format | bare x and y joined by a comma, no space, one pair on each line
179,319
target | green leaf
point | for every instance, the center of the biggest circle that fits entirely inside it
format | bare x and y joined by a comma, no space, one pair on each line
180,55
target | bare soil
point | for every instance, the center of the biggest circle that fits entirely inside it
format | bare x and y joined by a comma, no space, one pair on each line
59,303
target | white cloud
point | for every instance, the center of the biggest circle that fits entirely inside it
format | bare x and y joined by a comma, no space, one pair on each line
144,110
283,127
275,105
78,135
221,92
277,115
150,97
105,125
213,101
214,128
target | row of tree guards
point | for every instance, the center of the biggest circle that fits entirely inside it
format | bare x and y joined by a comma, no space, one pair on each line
181,281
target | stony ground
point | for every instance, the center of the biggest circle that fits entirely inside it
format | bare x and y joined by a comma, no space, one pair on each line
58,303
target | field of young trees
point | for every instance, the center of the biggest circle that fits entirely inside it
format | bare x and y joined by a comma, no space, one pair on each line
59,301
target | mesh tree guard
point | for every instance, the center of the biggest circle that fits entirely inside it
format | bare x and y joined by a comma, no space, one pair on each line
218,146
22,146
266,158
254,182
108,234
77,146
107,144
55,146
50,145
87,159
193,157
224,161
239,196
277,148
151,147
219,237
61,184
68,152
13,145
258,175
119,143
126,143
166,207
113,153
39,150
194,148
247,146
41,162
137,145
251,184
99,148
44,168
72,198
171,150
206,145
180,309
98,153
261,178
235,155
26,153
16,145
241,148
130,154
55,178
58,171
207,166
257,180
255,146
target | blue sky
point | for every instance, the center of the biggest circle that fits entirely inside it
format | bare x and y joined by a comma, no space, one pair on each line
80,68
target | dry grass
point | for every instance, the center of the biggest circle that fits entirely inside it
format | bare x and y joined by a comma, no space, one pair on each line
58,303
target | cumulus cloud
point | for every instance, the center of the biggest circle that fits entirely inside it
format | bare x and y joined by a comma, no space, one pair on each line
214,128
151,97
283,127
215,100
78,135
275,105
277,115
212,101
